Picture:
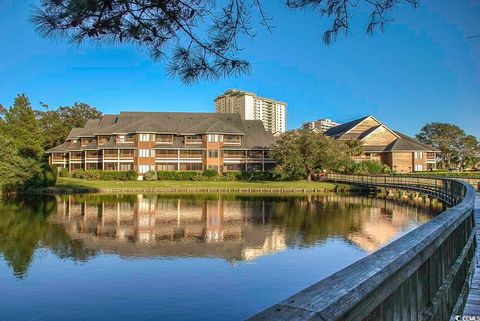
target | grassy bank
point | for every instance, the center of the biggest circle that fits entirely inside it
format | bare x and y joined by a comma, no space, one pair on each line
73,183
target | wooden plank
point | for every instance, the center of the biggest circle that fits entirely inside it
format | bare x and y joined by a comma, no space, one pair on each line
472,306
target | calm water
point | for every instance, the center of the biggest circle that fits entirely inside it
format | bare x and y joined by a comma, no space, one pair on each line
181,257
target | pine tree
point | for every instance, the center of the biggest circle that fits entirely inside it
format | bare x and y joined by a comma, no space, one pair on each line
15,170
23,127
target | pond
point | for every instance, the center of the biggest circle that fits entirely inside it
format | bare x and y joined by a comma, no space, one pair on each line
182,257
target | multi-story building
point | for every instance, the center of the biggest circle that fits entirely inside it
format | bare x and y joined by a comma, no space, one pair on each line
272,113
321,125
399,151
144,141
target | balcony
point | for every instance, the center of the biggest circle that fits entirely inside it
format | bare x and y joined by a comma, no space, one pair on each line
193,140
232,140
191,154
166,154
233,155
164,139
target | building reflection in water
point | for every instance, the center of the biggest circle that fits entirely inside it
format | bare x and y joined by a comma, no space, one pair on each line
232,227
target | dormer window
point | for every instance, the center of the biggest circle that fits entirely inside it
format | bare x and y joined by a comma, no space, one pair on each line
125,138
164,139
84,141
232,139
193,139
103,140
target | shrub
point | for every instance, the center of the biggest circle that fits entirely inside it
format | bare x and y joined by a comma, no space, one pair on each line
132,175
176,175
63,173
113,176
254,176
106,175
210,173
231,176
150,176
366,167
78,173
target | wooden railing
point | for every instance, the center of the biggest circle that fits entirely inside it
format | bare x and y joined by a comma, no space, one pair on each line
423,275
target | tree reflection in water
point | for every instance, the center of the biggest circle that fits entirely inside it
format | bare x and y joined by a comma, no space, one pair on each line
231,227
24,228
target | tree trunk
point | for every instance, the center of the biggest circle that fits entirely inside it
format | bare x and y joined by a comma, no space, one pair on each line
309,177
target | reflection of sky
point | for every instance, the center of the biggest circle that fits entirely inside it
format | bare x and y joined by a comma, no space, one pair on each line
110,288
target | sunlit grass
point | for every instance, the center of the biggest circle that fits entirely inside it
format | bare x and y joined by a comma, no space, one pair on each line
75,183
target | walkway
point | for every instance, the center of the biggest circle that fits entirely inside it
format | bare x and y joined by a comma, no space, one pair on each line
472,307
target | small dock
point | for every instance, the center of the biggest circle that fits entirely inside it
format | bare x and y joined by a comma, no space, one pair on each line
472,306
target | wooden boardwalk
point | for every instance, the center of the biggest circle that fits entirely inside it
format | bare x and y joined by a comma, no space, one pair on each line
472,307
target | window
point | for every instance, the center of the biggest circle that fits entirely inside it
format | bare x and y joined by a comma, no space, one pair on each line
145,137
110,166
126,153
418,167
102,139
167,167
143,168
166,153
129,138
234,167
233,154
86,141
164,139
418,155
93,166
145,153
191,154
213,153
126,166
92,153
231,139
193,139
214,138
191,167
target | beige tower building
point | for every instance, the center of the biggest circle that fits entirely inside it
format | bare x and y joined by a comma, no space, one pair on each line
272,113
322,125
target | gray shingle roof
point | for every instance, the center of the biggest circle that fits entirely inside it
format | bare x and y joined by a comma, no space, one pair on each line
343,128
253,131
407,143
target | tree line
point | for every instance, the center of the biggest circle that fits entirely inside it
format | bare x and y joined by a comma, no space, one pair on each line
303,154
458,150
25,135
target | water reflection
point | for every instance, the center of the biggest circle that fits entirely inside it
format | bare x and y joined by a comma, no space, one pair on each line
231,227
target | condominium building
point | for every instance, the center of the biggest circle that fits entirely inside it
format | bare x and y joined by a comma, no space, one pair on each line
272,113
322,125
144,141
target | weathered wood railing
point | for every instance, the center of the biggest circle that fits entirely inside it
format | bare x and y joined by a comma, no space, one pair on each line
420,276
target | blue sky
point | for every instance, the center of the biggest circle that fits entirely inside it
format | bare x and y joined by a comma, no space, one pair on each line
421,69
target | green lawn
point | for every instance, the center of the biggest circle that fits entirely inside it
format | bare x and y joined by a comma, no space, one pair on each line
75,183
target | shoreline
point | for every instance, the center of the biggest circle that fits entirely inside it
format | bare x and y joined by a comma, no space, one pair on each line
79,186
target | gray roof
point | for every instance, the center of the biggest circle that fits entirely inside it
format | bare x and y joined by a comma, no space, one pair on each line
253,131
407,143
343,128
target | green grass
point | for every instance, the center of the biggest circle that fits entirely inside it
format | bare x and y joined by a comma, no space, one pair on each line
75,183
